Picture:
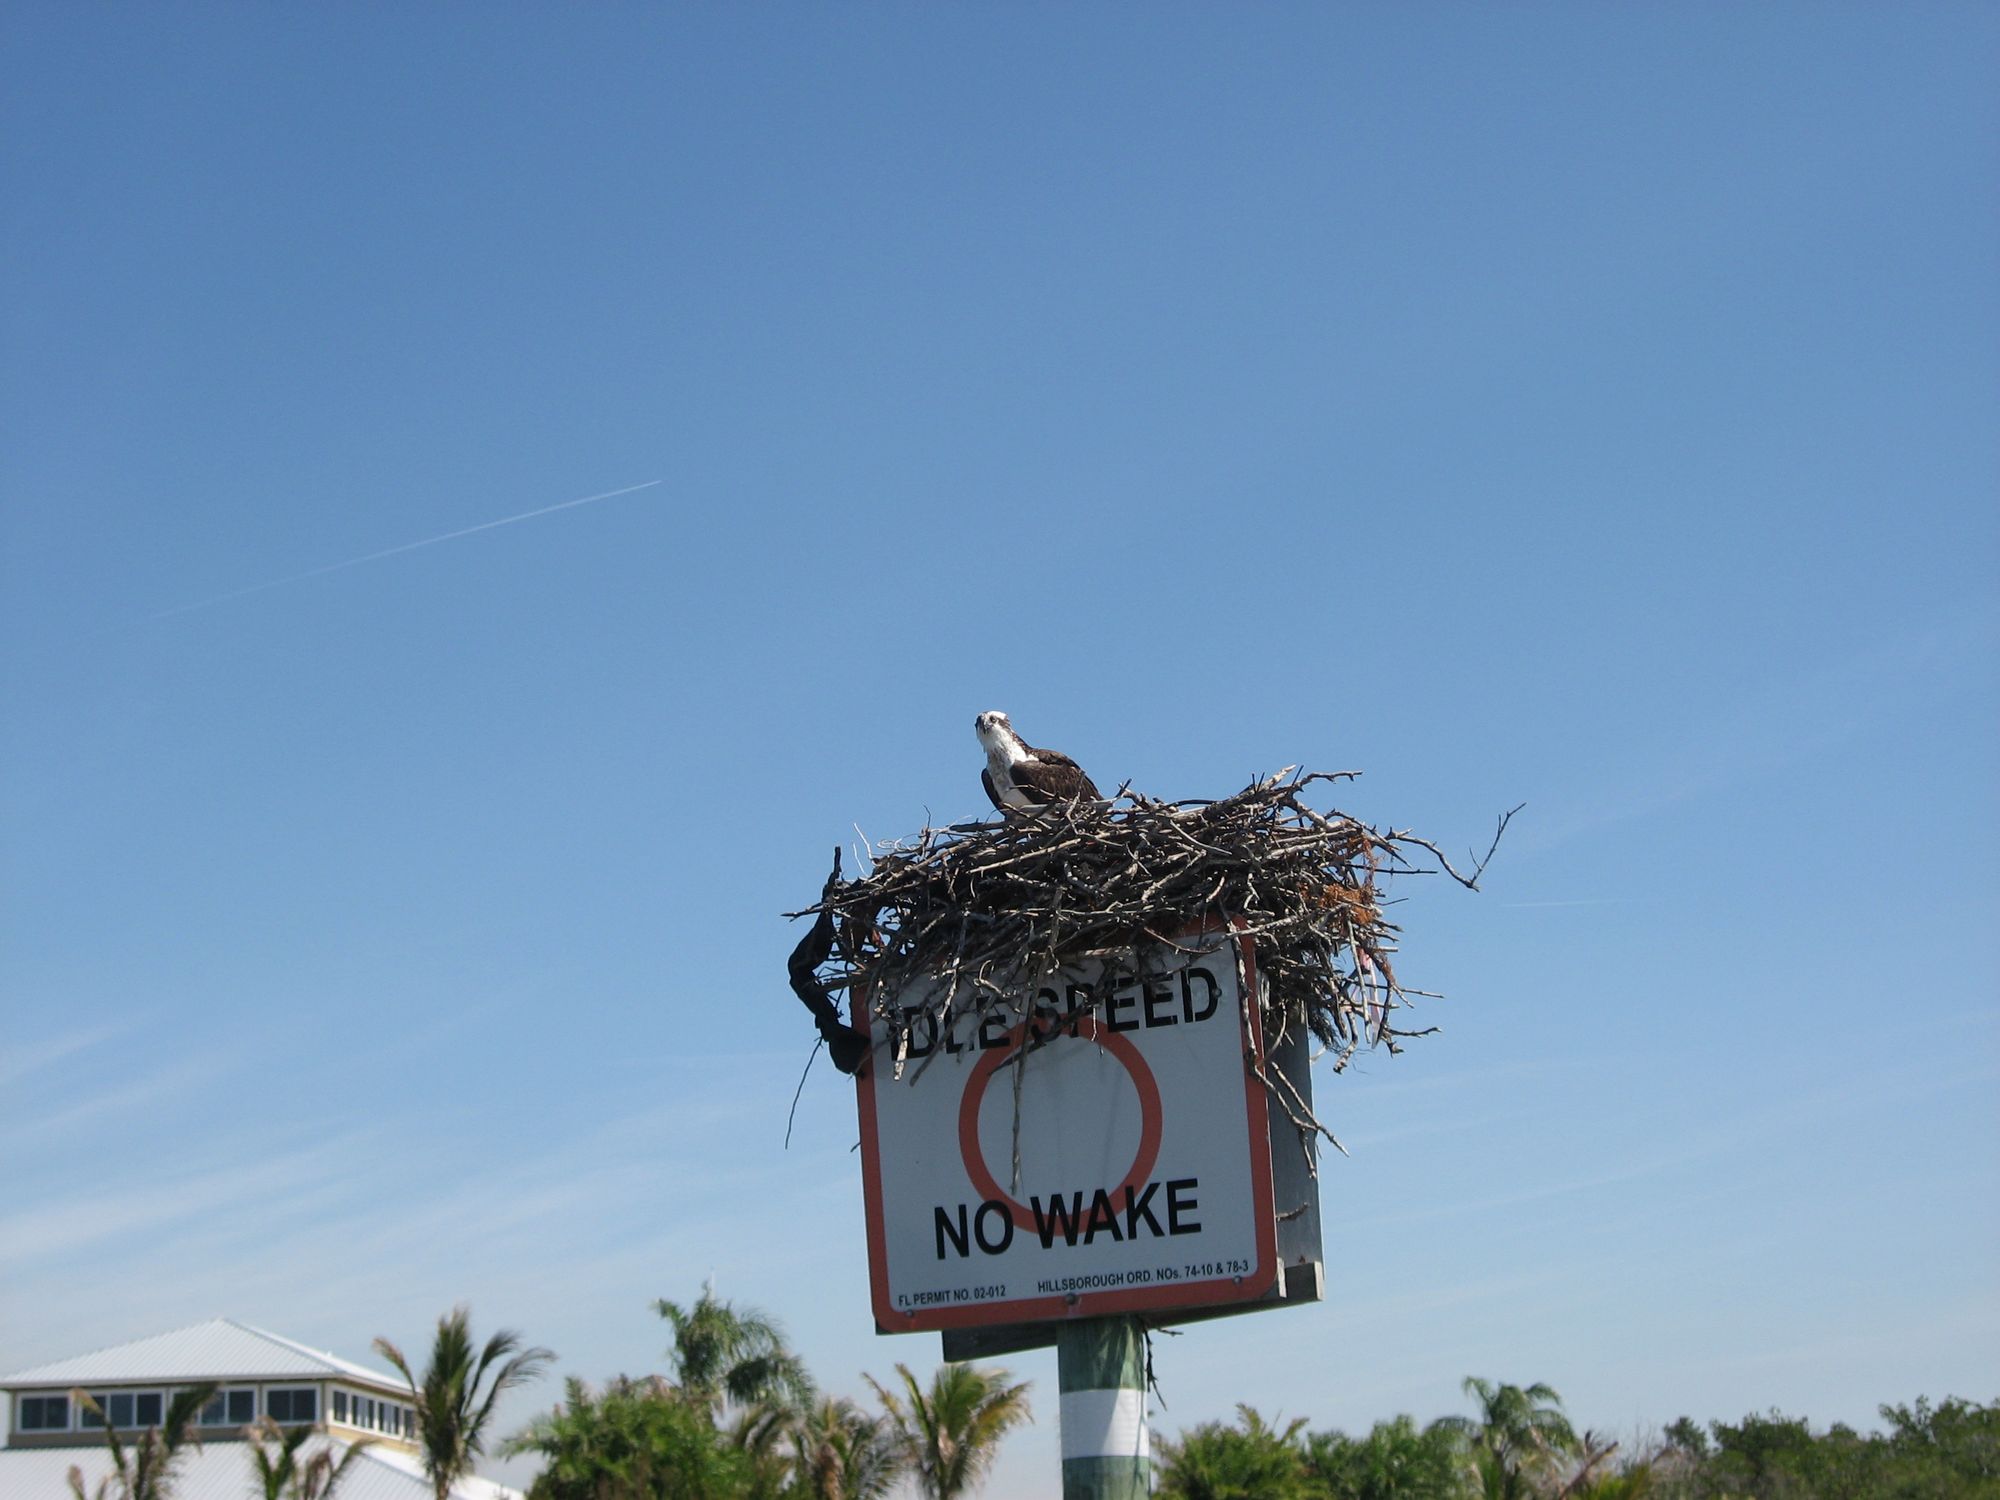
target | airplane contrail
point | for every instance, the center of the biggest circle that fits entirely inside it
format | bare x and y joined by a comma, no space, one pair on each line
429,541
1580,901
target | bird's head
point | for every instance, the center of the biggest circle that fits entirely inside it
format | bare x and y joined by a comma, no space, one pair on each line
993,729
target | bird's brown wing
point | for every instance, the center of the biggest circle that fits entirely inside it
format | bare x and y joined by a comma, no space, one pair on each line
1058,778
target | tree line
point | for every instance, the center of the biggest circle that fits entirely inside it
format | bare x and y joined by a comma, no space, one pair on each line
1519,1445
737,1416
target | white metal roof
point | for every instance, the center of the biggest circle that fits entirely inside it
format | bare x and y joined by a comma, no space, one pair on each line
220,1349
222,1471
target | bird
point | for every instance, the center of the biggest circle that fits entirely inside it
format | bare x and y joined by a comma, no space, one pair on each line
1021,778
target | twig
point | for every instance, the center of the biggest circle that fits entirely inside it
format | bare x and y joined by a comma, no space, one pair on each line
817,1044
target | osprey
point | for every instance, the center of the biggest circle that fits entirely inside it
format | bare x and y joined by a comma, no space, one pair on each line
1019,777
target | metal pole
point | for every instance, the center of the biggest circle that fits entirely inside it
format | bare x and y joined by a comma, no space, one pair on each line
1101,1375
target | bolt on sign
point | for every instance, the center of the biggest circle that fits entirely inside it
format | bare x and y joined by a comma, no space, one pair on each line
1084,1151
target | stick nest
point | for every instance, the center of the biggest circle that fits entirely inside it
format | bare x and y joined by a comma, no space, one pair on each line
978,914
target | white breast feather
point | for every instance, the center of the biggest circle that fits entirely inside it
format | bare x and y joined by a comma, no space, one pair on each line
1003,753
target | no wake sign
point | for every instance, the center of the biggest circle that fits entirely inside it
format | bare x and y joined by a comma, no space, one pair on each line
1088,1152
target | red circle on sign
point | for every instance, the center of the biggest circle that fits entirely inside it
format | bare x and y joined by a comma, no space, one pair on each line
1127,1056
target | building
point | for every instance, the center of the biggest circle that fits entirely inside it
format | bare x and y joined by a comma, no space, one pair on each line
257,1374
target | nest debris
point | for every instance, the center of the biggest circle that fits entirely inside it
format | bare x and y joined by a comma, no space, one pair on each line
976,915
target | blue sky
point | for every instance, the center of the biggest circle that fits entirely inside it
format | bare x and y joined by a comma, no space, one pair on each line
1584,406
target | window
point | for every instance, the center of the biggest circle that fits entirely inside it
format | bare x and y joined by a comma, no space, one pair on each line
292,1405
236,1407
147,1409
116,1405
44,1414
340,1406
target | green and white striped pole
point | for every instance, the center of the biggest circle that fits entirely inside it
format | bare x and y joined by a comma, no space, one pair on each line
1101,1375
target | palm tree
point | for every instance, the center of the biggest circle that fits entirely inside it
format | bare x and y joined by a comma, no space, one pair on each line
839,1452
760,1432
279,1472
1397,1460
634,1440
1589,1455
951,1433
723,1355
1518,1436
1633,1483
454,1400
146,1472
1255,1461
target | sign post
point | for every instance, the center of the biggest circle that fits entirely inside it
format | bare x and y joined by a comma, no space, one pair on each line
1101,1374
